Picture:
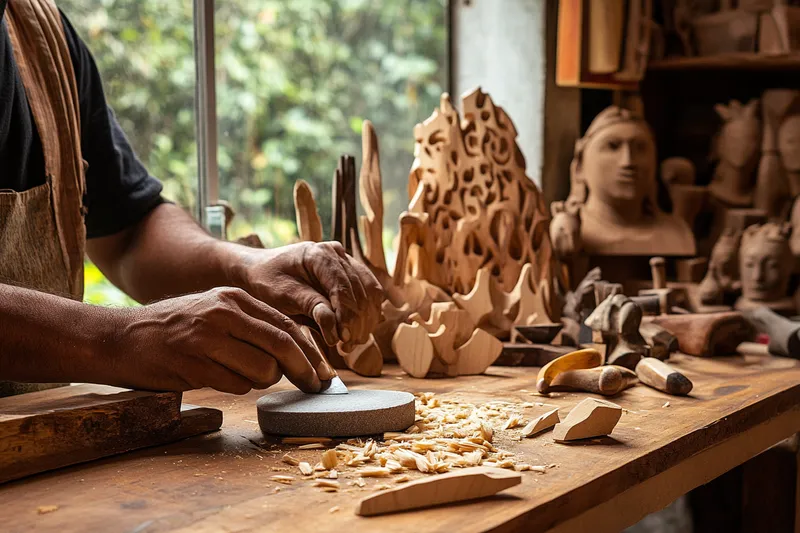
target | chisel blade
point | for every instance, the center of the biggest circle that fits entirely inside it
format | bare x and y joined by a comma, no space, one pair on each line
334,386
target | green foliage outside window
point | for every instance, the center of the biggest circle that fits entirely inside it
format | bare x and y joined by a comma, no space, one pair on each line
294,81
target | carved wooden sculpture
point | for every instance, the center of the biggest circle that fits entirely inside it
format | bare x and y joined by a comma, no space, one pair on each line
765,264
722,277
707,335
482,210
737,150
371,193
613,178
617,318
774,188
590,418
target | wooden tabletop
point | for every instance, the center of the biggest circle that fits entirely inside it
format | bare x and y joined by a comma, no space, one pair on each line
662,447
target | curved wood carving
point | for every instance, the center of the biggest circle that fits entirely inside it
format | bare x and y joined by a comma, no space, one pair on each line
371,194
309,226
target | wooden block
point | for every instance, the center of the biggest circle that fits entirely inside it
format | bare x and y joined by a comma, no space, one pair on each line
478,302
709,334
478,353
607,380
541,423
365,359
515,354
663,377
41,431
461,485
691,270
309,226
443,345
662,342
413,348
586,358
590,418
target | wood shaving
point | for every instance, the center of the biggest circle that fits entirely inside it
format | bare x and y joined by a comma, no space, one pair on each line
313,446
360,482
306,440
377,471
334,509
330,459
327,484
665,405
512,422
289,460
487,433
382,486
402,479
333,474
44,509
305,469
286,480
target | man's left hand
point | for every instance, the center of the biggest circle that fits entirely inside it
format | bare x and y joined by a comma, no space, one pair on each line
317,284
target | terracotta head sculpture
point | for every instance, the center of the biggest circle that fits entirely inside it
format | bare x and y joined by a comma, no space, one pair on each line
613,179
789,143
765,263
723,269
737,148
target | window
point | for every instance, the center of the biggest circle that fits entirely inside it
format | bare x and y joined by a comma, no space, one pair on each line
294,81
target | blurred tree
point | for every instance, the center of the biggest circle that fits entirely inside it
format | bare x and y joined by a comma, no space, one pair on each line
294,81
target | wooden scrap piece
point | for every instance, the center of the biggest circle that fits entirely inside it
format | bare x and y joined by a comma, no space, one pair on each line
365,359
465,484
532,303
541,423
663,377
478,353
662,342
413,349
516,354
590,418
586,358
607,380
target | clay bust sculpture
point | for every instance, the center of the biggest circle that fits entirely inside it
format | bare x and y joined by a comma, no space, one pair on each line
789,149
765,264
722,277
613,176
737,148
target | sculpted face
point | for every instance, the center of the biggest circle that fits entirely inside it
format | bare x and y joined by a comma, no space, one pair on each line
765,267
789,143
741,140
619,164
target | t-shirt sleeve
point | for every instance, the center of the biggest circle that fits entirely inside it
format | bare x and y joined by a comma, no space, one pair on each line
119,190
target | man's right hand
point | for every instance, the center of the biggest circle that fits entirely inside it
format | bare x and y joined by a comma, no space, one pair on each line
222,338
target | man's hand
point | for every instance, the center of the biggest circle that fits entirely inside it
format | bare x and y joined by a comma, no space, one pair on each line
319,284
223,338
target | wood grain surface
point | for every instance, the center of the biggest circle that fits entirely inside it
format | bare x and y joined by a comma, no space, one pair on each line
222,481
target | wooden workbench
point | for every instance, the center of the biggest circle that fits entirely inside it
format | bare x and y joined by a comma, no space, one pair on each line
222,482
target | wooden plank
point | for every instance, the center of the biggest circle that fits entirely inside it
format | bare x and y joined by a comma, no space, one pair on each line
739,61
60,427
223,481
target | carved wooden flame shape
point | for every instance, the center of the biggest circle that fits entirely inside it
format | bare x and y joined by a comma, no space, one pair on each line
468,186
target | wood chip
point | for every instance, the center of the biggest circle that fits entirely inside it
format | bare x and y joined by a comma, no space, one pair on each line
333,474
306,440
329,459
44,509
382,486
375,471
665,405
487,433
360,482
327,484
402,479
289,460
313,446
512,422
286,480
334,509
305,469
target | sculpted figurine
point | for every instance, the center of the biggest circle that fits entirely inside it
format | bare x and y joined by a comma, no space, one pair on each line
618,319
613,179
737,149
765,264
722,276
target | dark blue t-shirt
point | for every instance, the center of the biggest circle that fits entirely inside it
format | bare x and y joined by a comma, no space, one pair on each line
119,190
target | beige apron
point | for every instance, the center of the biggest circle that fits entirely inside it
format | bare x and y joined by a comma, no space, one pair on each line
42,232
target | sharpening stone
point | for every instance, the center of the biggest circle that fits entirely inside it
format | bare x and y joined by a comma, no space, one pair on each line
358,413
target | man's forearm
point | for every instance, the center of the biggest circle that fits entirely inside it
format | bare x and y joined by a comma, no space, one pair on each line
167,254
46,338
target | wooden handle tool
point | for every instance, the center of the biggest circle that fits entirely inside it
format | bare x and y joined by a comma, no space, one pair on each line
606,380
466,484
707,335
663,377
784,335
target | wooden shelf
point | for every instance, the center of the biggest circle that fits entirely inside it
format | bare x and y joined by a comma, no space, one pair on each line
744,61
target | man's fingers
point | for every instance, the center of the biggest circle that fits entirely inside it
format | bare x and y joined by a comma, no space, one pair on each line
209,373
325,318
358,324
247,361
327,270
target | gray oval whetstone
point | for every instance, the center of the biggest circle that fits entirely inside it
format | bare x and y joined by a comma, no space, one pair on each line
358,413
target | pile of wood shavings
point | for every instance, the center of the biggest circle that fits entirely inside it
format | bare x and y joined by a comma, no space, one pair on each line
446,435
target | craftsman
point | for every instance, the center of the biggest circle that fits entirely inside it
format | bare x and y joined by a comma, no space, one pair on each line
217,314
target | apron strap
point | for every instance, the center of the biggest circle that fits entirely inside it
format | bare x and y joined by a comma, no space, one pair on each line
45,67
